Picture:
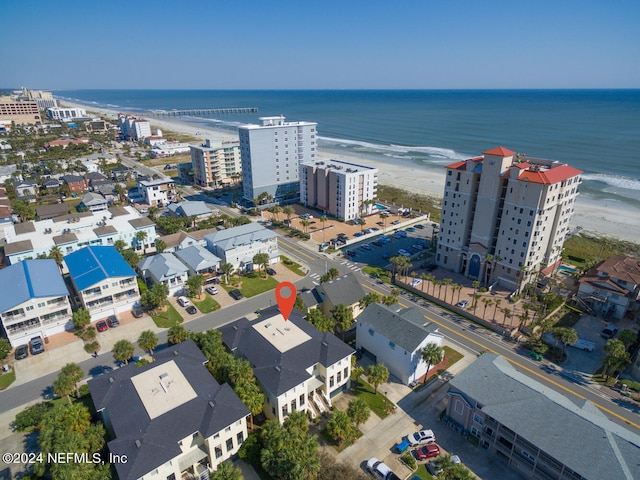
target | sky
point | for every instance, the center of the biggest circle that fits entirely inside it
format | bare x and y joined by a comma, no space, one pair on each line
353,44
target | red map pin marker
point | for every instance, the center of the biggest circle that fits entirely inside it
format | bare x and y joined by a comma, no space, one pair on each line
286,297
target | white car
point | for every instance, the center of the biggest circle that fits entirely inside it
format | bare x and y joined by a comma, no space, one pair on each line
422,437
416,282
380,470
211,290
404,253
183,301
462,304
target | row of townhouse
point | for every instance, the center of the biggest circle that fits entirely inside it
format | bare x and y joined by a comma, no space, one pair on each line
37,302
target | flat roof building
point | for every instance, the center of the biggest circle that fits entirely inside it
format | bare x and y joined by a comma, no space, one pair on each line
19,112
216,165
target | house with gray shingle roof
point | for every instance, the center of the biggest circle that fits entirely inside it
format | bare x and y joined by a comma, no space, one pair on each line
297,366
538,431
198,209
397,336
164,268
238,245
94,202
170,418
198,259
345,290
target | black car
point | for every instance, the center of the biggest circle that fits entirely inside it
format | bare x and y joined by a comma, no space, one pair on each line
270,271
236,294
113,321
137,312
22,352
191,310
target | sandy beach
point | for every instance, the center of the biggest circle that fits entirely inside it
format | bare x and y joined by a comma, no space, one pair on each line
600,218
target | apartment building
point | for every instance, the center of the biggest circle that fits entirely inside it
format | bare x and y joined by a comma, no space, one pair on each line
34,301
215,165
133,128
72,232
19,112
169,419
65,114
505,216
342,189
271,156
158,192
297,366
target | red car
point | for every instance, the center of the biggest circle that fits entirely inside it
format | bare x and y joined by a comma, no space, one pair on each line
102,326
428,451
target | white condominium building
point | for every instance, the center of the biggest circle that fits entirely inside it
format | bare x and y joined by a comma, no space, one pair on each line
215,165
58,113
158,192
505,216
132,128
344,190
271,154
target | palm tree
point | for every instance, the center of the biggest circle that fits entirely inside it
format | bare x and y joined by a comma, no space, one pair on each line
368,299
276,209
148,341
262,260
75,373
497,303
240,371
177,334
56,254
253,398
358,410
432,354
566,336
226,269
476,296
343,317
304,223
123,350
141,236
488,259
423,277
339,427
288,211
63,386
323,219
377,374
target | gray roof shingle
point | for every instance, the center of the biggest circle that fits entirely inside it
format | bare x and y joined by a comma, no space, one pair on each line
344,290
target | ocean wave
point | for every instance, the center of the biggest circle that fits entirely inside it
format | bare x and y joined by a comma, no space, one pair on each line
614,180
392,149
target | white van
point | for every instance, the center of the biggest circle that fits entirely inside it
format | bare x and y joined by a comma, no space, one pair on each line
586,345
183,301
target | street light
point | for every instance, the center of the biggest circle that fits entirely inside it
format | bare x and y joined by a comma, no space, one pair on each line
385,400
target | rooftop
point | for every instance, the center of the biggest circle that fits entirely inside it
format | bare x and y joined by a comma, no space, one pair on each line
340,166
281,334
94,264
345,290
30,279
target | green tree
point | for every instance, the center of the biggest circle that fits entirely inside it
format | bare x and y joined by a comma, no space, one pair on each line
616,357
288,211
140,237
340,428
343,317
319,320
123,350
333,273
56,254
304,223
5,348
63,386
160,245
147,341
389,300
357,372
358,410
194,285
81,318
377,374
131,257
299,304
276,209
566,336
431,354
177,334
226,269
155,297
75,373
627,337
368,299
120,246
240,371
251,395
226,471
262,260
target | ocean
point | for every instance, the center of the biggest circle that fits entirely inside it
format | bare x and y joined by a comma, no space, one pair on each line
597,131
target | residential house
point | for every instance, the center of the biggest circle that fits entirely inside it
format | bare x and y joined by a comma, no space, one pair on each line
76,183
164,268
122,173
179,240
158,192
612,288
345,290
238,245
537,431
396,337
297,366
169,419
51,183
64,143
7,172
197,209
34,301
46,212
103,280
26,188
198,259
94,202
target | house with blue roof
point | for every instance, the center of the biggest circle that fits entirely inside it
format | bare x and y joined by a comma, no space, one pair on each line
34,301
103,280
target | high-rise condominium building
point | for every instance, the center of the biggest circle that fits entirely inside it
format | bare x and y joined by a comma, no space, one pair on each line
271,154
342,189
505,216
215,166
132,128
19,112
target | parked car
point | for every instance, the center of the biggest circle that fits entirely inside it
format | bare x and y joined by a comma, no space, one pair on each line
380,470
270,271
420,226
433,468
428,451
236,294
210,280
586,345
462,304
422,437
404,253
112,321
410,229
36,346
22,351
137,312
211,290
416,282
191,310
102,326
366,246
183,301
609,332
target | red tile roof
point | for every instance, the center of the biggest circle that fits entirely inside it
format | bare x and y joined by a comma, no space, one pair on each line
500,152
461,165
550,176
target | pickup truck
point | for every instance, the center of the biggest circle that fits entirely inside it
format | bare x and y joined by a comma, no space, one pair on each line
586,345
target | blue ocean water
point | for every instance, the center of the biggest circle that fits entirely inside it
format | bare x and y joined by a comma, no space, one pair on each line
597,131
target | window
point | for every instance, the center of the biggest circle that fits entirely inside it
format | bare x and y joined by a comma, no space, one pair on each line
478,419
339,377
229,444
346,372
331,382
285,410
302,399
218,451
240,438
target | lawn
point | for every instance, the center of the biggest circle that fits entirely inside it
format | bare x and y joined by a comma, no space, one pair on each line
377,402
334,444
168,318
253,285
451,356
422,472
7,379
291,265
378,272
207,305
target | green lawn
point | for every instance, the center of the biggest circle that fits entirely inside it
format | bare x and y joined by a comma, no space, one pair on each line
378,272
291,265
422,472
376,402
7,379
333,443
253,285
168,318
207,305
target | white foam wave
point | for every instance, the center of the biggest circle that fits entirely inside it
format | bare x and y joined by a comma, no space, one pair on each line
391,150
617,181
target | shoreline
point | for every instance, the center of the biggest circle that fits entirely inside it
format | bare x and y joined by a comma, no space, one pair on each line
608,218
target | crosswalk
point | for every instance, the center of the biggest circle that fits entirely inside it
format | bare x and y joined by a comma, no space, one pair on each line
351,266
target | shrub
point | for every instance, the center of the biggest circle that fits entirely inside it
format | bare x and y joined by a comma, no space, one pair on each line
409,460
31,416
92,347
84,390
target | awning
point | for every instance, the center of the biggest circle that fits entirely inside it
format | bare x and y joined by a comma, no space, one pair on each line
314,384
191,458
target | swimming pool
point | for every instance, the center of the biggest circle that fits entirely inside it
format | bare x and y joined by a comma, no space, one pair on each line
566,270
377,206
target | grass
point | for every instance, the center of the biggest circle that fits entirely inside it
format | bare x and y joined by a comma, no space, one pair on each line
378,272
345,443
207,305
291,265
451,356
376,402
253,285
568,318
414,201
422,472
582,250
7,379
168,318
161,162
